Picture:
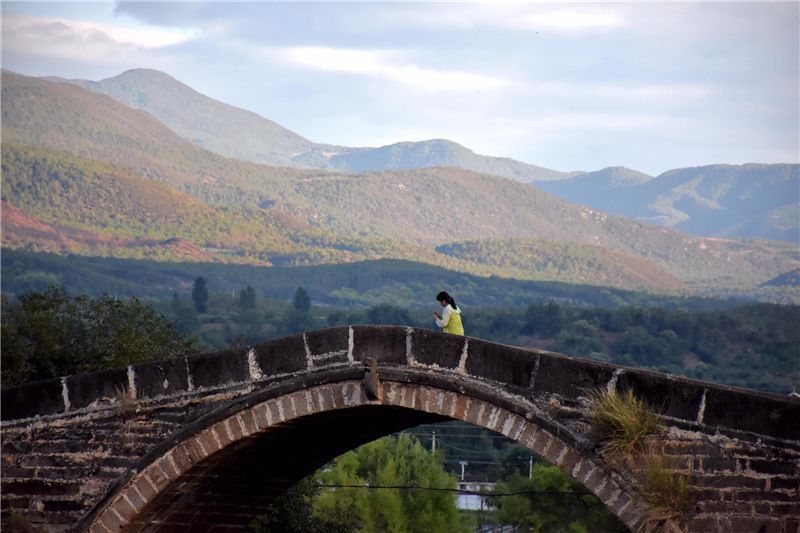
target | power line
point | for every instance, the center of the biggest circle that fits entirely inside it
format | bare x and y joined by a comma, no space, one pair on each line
486,460
448,489
458,448
460,435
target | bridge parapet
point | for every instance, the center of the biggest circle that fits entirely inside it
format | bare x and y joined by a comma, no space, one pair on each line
531,373
741,447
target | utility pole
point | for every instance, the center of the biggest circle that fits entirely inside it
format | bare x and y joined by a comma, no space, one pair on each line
530,468
433,442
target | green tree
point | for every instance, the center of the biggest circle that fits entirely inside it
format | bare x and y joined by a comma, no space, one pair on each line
642,348
200,294
391,461
302,302
553,319
49,334
582,338
247,298
388,314
552,502
545,319
293,512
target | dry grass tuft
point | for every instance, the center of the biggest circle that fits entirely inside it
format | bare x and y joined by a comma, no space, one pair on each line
625,425
622,421
668,494
17,522
127,401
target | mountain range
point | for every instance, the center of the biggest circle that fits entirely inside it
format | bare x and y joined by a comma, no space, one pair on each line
750,201
233,132
83,172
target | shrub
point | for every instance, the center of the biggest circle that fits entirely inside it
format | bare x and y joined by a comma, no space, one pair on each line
622,422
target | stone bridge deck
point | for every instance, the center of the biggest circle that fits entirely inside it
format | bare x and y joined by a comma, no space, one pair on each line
212,438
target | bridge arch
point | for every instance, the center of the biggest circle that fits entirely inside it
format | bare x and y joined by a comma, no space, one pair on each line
72,460
216,472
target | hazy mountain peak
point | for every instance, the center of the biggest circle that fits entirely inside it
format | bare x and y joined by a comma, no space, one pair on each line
754,200
212,124
614,177
241,134
145,72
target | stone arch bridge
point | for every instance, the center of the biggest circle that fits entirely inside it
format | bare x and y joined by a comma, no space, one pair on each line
212,438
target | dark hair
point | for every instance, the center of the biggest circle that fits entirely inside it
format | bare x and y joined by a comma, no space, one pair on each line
444,297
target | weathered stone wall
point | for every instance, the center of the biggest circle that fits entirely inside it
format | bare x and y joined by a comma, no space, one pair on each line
71,449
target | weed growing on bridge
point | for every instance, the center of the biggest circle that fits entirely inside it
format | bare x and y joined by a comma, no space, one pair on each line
668,494
18,522
624,424
127,401
622,421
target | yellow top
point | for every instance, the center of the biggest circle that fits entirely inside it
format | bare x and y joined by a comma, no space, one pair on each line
451,321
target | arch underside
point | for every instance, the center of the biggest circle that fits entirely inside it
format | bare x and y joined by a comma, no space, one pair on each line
228,470
235,485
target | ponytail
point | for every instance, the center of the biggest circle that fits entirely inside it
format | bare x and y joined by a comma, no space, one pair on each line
443,296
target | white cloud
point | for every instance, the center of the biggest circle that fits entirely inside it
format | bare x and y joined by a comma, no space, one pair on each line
508,16
569,21
384,65
618,95
84,40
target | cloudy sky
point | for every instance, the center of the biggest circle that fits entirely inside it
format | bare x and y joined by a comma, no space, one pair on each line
569,86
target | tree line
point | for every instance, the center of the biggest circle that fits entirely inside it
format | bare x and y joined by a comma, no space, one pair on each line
50,333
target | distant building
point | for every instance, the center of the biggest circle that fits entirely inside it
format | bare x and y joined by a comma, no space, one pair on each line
474,502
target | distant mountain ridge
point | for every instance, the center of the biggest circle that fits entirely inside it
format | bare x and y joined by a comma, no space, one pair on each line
240,134
716,200
746,201
63,145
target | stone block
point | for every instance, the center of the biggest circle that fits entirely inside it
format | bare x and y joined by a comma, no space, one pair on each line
161,377
234,429
110,520
98,527
763,496
123,508
671,397
497,362
85,389
40,487
775,467
282,356
387,344
327,340
250,422
182,460
569,377
717,463
63,506
746,524
754,412
786,509
440,349
145,488
30,399
789,483
220,368
733,481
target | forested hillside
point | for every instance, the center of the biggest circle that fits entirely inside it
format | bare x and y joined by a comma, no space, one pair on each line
64,142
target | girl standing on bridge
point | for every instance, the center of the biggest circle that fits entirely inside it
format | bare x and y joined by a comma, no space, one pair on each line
450,319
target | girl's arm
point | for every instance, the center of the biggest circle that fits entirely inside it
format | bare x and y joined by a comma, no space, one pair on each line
442,323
